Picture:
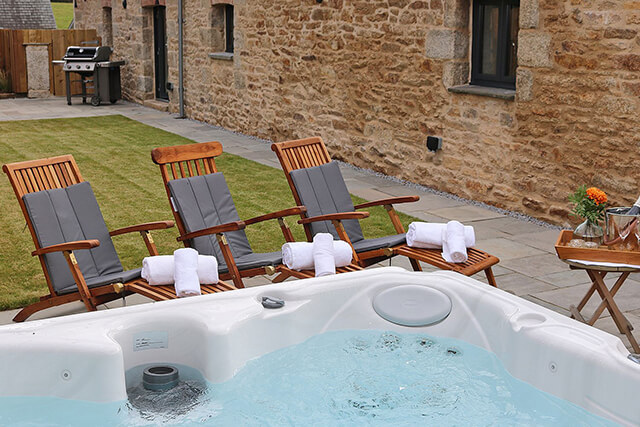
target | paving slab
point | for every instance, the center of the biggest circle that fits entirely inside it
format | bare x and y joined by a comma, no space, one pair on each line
466,213
428,202
369,194
512,226
544,239
535,266
506,249
566,278
520,284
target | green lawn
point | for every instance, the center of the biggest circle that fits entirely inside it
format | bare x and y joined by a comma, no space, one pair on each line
63,13
113,153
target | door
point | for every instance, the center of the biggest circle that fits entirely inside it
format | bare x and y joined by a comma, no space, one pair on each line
160,51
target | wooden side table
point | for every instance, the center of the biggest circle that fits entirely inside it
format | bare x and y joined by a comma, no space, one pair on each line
597,272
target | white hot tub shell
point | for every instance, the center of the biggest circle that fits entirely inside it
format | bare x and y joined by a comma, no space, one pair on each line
85,356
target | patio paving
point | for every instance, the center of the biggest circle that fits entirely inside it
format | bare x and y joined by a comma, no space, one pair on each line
528,267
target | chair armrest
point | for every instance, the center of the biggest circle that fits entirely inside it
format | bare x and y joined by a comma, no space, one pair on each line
157,225
390,201
223,228
335,217
297,210
69,246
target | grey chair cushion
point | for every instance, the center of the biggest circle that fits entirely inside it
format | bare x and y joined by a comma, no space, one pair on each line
322,191
204,202
379,243
66,215
107,279
254,260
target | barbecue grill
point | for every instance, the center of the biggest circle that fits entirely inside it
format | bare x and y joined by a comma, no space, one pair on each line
96,72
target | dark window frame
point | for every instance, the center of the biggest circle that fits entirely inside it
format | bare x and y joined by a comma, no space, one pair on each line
500,79
161,64
228,28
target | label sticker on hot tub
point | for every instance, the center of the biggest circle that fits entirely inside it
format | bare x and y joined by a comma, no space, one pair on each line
150,340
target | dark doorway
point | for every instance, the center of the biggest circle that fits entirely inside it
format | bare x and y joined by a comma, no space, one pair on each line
160,51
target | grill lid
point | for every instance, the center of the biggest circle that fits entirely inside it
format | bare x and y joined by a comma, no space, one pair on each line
88,53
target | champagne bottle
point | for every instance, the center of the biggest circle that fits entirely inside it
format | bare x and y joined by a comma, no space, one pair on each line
635,209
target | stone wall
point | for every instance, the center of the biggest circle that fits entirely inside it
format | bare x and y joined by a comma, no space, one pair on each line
372,77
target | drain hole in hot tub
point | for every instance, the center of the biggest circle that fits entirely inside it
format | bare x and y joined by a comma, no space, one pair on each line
160,378
160,393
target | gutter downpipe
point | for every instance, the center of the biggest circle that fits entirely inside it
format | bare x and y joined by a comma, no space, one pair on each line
180,60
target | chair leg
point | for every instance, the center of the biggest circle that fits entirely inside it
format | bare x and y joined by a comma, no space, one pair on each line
490,277
43,304
280,277
415,264
26,312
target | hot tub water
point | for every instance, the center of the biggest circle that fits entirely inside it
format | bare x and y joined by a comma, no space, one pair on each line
345,377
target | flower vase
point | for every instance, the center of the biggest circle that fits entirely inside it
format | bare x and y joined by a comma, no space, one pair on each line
589,232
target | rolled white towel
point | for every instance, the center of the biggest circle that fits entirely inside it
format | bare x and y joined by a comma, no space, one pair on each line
186,272
207,270
159,270
342,253
453,245
428,235
299,255
323,260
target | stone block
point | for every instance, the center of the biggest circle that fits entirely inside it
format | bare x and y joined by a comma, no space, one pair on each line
446,44
145,84
38,70
529,15
456,13
524,85
455,73
534,49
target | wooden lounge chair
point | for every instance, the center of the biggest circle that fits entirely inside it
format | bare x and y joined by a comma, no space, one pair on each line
72,241
317,184
207,219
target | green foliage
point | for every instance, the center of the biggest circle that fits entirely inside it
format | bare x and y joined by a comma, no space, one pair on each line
586,208
113,153
63,12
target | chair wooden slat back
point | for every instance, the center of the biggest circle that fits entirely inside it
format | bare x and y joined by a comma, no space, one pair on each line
45,174
32,176
301,154
184,161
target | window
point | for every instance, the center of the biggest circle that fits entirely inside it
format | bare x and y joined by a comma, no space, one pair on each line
228,28
495,43
222,30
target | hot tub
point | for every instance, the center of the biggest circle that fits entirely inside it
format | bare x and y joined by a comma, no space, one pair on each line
90,357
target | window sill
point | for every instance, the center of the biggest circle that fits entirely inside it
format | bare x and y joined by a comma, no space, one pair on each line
492,92
223,56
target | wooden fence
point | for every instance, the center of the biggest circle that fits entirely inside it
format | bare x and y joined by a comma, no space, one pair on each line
13,59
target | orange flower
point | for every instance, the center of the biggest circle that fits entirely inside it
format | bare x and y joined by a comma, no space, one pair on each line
596,195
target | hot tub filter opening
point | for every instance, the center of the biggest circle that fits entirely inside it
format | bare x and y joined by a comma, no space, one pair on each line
160,377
